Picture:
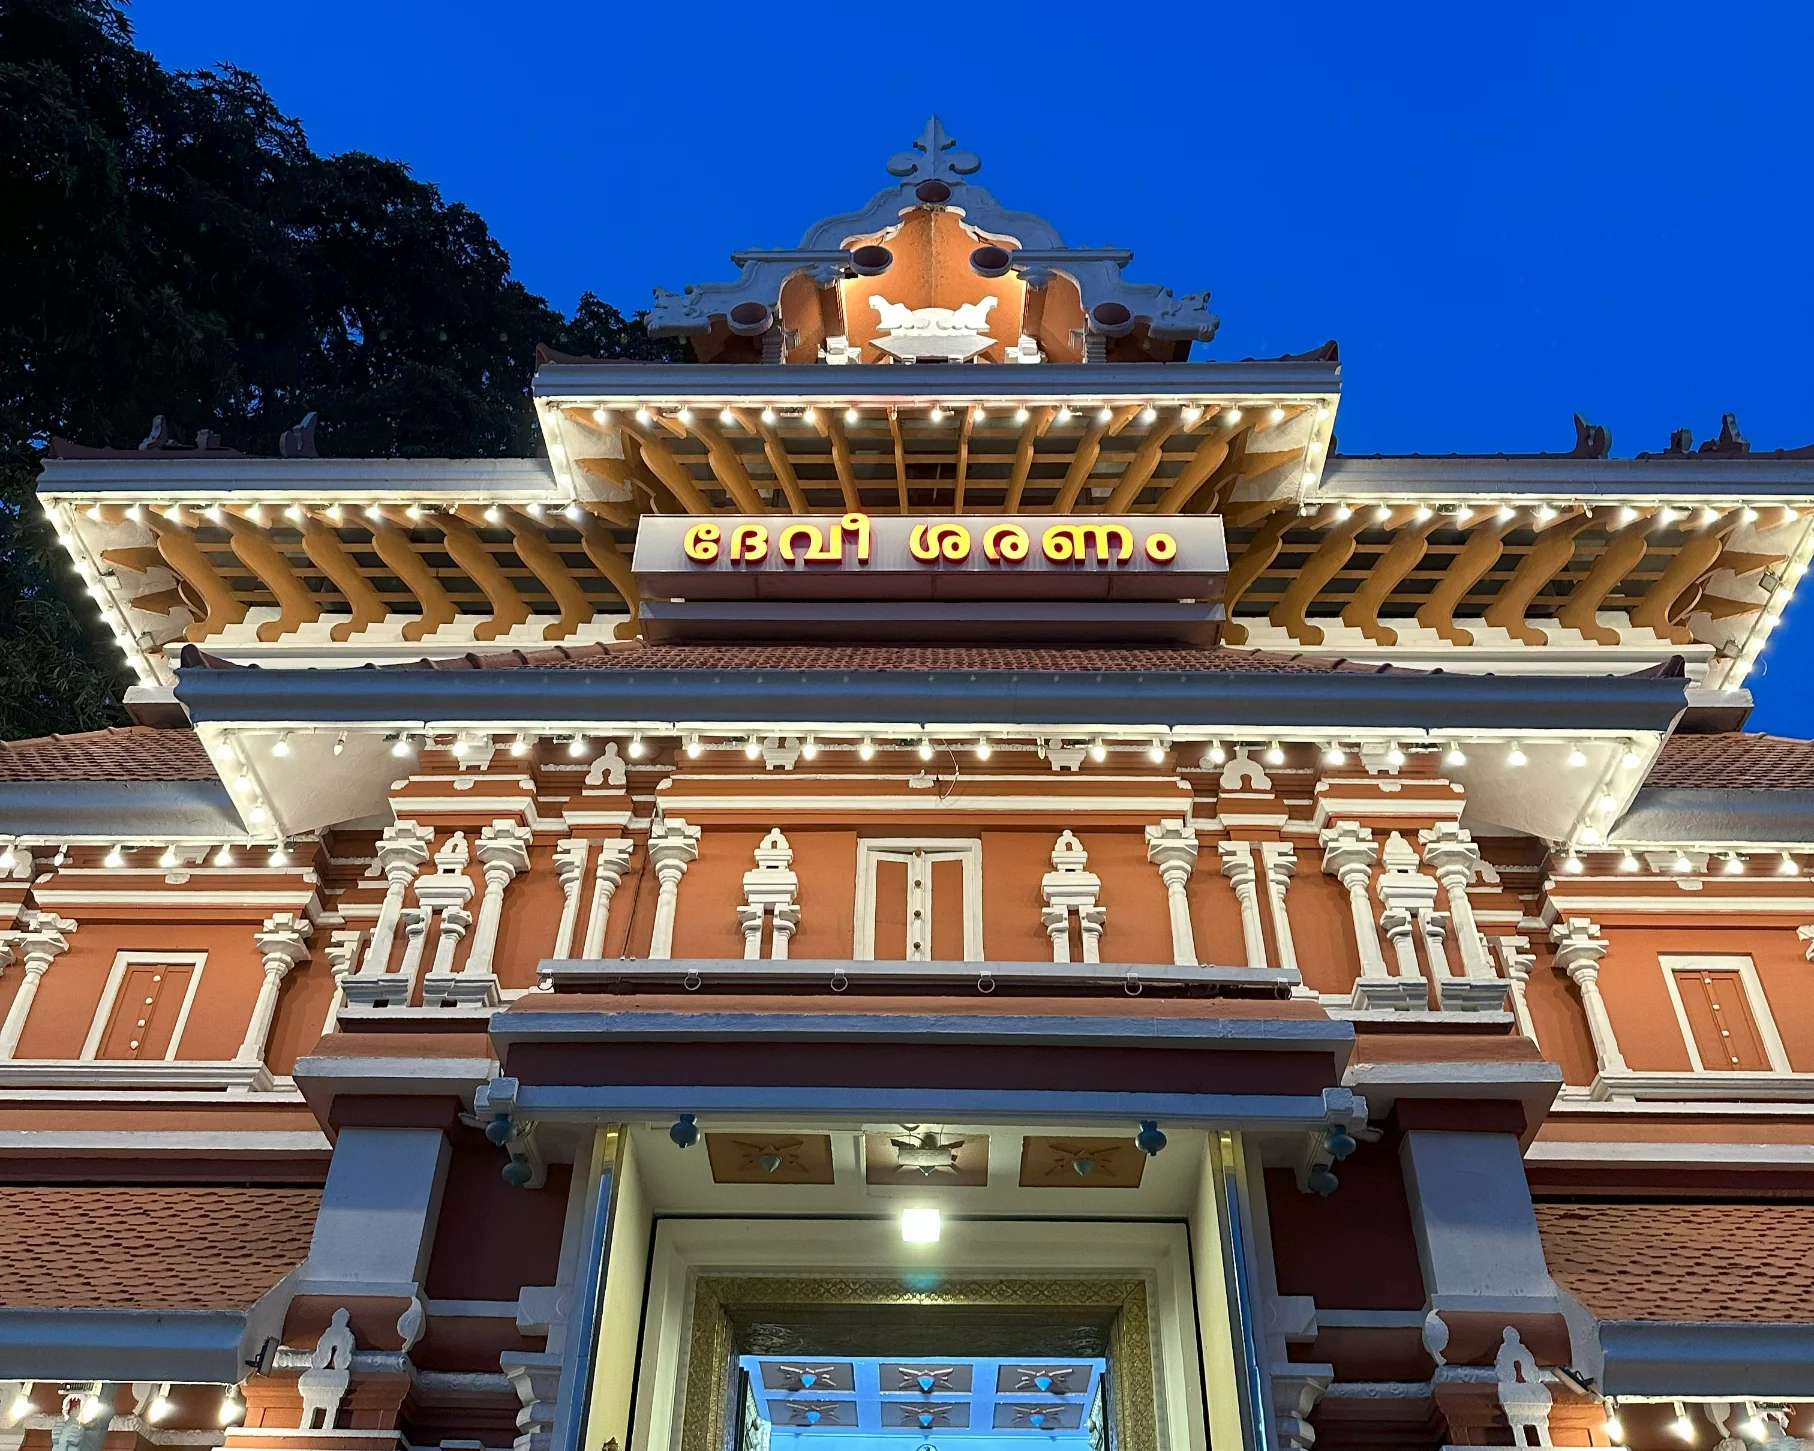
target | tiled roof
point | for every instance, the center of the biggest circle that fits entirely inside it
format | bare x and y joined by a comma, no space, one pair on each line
1683,1261
123,753
150,1247
1735,760
896,657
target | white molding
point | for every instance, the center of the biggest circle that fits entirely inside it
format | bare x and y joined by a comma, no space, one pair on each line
163,1141
1576,1151
1711,1087
966,849
1674,962
208,1074
116,976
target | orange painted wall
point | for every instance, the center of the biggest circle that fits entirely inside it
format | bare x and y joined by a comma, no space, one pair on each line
1138,928
1322,928
826,863
1556,1014
1013,863
1631,978
705,924
1215,913
532,913
302,1007
72,988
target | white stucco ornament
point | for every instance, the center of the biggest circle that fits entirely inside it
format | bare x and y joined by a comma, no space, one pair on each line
954,333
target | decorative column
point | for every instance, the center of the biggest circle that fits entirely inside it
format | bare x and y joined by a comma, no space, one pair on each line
1455,858
444,891
569,868
1172,847
1408,897
342,952
282,944
1349,853
1579,948
503,850
673,847
613,861
770,887
1515,954
402,852
1070,887
1237,866
40,940
1281,863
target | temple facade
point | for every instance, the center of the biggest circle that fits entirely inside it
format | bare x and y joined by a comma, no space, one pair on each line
935,876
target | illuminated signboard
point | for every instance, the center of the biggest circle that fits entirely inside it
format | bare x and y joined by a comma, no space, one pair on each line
972,556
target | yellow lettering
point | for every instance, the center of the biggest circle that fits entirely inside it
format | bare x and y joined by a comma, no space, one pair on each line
931,542
1161,548
815,542
827,548
1072,543
858,524
701,543
1006,541
749,544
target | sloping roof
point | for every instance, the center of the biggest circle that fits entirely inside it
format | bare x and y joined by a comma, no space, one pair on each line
1735,760
1683,1262
120,753
636,656
151,1247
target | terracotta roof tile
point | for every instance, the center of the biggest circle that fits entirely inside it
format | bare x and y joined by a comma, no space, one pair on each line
896,657
151,1247
123,753
1735,760
1683,1261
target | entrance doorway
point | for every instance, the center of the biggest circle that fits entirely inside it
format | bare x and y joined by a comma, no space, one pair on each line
856,1364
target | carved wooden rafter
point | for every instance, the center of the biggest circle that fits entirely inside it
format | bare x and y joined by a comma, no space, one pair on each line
1485,543
177,543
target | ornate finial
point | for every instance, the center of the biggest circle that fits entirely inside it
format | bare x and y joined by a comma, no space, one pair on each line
933,157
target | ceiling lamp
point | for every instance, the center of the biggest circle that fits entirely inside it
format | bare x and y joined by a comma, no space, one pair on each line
1234,415
853,414
809,748
1683,1424
1516,756
920,1224
400,746
1156,753
1335,755
638,749
519,745
115,858
576,746
726,417
281,746
752,748
1456,756
768,415
867,749
279,857
925,749
1577,757
224,857
1021,415
1148,414
983,749
1395,755
168,859
1276,414
1215,755
1683,863
1275,754
1104,413
1628,863
693,747
1572,863
1735,864
1099,750
1789,867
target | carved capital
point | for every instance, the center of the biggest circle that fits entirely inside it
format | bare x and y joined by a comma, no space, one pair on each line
284,941
504,849
403,850
673,847
1450,852
1349,852
1172,847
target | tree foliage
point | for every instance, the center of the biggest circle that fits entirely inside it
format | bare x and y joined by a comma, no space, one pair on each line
170,244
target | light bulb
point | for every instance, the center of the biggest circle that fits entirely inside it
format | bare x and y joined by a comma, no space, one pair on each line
1577,757
168,859
161,1407
1395,755
601,415
1613,1426
114,858
1275,754
637,749
726,417
768,415
752,748
1608,802
573,512
1735,864
90,1410
1216,754
1234,415
925,750
937,415
1683,863
281,746
232,1408
1064,413
809,748
340,743
257,815
1789,867
1628,863
1104,413
1335,755
983,749
1098,751
853,415
519,747
279,857
400,746
1021,415
1456,756
1192,413
1516,756
643,415
460,748
693,748
576,746
1571,863
1342,511
1276,414
1630,759
685,415
22,1405
1148,413
920,1225
867,749
1156,753
224,857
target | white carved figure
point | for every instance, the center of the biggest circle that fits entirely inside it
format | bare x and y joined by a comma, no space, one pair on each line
608,769
933,332
769,890
323,1385
1069,888
1522,1395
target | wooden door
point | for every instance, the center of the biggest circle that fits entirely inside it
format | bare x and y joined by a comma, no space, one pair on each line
1719,1015
146,1011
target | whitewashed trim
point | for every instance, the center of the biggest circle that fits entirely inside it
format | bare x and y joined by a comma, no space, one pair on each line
966,849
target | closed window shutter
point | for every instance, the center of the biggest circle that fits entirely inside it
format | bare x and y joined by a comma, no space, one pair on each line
1719,1016
145,1013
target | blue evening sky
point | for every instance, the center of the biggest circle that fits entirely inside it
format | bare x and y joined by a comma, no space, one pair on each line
1506,213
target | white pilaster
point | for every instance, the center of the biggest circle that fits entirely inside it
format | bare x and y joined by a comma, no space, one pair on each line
1579,948
673,847
1349,852
40,940
1518,959
1281,863
281,945
570,870
1238,867
613,861
1172,847
402,852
